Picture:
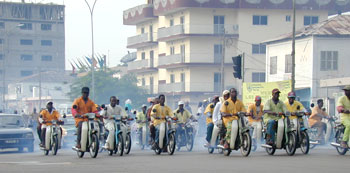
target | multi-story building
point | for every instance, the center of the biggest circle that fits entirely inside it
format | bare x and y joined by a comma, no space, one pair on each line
31,40
322,57
181,43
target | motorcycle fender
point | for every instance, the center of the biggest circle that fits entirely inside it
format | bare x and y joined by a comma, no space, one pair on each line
161,134
328,131
214,135
144,134
280,133
84,136
234,133
48,137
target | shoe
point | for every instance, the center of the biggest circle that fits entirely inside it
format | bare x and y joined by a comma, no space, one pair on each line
106,146
343,144
222,142
78,146
207,144
226,146
41,145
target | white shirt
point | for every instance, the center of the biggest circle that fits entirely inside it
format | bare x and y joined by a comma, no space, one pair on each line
217,113
117,110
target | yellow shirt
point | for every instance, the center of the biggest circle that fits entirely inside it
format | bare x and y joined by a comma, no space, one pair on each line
209,109
49,117
161,112
182,117
258,113
232,108
316,116
293,108
344,102
141,117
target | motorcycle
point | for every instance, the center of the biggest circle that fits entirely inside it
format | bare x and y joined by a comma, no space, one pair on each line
167,140
126,132
339,133
89,136
302,137
186,139
285,137
240,136
143,137
258,128
215,139
53,137
116,143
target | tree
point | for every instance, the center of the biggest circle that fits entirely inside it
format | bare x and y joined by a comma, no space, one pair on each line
106,86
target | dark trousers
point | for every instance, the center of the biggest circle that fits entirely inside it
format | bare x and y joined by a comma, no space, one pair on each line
210,128
152,131
38,130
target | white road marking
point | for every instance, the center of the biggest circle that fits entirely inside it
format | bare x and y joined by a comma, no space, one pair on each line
36,163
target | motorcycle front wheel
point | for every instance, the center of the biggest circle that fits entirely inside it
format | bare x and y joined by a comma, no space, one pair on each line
189,144
54,145
119,147
304,143
210,150
271,151
127,147
171,144
291,144
94,146
246,145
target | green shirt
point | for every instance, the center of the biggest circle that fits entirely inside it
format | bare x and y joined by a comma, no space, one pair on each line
271,106
141,117
182,117
344,102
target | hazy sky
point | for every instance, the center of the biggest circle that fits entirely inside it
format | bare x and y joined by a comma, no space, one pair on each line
109,32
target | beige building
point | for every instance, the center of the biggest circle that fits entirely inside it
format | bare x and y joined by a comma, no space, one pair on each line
181,43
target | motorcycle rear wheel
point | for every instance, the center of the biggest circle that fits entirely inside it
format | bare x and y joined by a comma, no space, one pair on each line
171,144
80,154
291,144
94,148
271,151
210,150
227,152
304,142
247,144
46,152
338,138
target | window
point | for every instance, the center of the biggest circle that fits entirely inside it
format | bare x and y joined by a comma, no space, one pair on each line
172,78
217,53
182,20
26,57
2,25
171,22
172,50
329,60
183,52
46,58
309,20
289,64
288,18
46,42
26,42
143,82
273,65
26,73
1,56
259,20
258,48
26,26
182,77
219,24
143,55
142,30
258,77
1,41
46,27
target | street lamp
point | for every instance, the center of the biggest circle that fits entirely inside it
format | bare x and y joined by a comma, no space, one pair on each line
91,9
7,32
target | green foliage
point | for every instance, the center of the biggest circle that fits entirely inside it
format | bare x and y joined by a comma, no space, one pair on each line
107,86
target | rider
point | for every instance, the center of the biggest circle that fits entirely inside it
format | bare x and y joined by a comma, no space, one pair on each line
141,119
152,129
209,113
271,109
182,116
229,113
47,115
107,112
159,113
81,106
293,106
256,112
343,107
217,114
315,120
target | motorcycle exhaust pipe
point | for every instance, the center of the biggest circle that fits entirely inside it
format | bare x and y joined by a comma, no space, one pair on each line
335,144
75,149
266,146
314,142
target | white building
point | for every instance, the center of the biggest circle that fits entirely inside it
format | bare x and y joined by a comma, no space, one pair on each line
322,59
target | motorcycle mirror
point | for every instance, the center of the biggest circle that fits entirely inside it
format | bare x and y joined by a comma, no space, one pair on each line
103,106
154,110
126,108
134,112
75,106
226,103
178,111
64,115
298,108
211,106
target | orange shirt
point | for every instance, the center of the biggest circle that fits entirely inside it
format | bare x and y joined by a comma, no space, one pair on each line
316,115
83,108
47,116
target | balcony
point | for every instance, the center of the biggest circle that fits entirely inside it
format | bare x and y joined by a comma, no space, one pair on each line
138,14
180,31
149,89
140,41
171,87
171,59
140,65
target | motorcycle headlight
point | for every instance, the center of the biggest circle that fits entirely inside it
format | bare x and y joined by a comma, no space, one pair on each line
28,135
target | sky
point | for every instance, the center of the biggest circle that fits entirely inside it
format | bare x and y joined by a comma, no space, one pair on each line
110,34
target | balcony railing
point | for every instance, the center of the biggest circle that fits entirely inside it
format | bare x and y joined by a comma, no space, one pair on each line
171,59
139,39
171,87
139,64
170,31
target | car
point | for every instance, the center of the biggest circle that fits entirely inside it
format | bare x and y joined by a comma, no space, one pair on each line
14,133
68,130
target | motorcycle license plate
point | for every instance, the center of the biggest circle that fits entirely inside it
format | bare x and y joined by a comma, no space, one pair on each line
11,141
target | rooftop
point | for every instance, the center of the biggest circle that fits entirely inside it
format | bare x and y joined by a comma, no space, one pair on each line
335,27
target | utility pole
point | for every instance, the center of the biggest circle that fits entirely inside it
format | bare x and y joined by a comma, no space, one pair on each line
39,87
243,56
223,47
92,47
293,49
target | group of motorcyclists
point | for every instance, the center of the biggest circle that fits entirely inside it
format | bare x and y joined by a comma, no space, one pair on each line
227,120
